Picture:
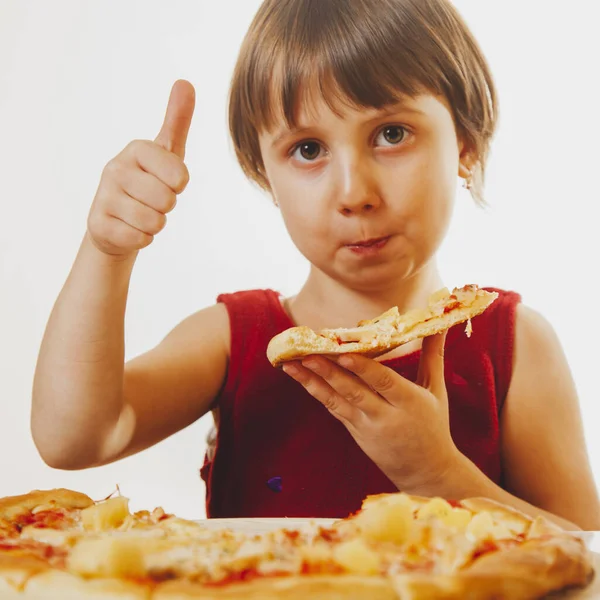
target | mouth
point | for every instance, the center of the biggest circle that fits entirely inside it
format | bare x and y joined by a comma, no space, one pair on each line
370,248
370,243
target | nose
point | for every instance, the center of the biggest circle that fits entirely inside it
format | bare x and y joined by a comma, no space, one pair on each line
358,190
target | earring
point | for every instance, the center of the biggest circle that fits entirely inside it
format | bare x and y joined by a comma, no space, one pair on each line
468,181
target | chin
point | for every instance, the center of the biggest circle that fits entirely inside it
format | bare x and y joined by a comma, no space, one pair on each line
376,279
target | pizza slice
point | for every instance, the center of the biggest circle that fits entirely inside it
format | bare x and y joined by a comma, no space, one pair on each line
388,331
62,544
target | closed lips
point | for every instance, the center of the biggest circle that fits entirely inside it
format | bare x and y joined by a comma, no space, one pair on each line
370,242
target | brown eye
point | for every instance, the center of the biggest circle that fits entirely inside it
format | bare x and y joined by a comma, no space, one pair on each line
392,135
308,150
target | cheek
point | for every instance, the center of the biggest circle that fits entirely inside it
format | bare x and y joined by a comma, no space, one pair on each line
302,221
435,184
301,212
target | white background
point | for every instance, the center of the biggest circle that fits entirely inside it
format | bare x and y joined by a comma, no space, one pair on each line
80,79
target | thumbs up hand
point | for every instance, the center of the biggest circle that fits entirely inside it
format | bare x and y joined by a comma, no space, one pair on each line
140,185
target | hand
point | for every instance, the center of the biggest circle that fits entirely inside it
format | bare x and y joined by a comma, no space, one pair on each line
403,427
139,186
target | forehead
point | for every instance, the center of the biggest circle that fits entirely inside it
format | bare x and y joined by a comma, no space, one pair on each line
316,96
311,107
316,106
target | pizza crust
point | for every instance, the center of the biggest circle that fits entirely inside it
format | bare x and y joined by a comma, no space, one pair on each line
385,333
12,506
65,586
525,572
323,587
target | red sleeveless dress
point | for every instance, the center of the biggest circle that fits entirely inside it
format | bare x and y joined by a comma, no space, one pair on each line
280,453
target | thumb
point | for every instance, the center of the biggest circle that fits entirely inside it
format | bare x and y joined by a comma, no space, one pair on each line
431,365
178,118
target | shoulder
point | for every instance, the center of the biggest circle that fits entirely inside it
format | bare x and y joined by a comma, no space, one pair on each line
523,341
540,366
217,321
536,342
210,322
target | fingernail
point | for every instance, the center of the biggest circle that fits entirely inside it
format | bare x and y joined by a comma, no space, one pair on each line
346,361
290,369
313,365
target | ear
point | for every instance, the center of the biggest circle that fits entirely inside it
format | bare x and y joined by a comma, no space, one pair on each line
465,169
467,160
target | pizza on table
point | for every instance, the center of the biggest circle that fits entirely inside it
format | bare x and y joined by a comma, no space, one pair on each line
62,544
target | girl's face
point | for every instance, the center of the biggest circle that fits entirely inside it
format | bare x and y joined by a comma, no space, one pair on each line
366,194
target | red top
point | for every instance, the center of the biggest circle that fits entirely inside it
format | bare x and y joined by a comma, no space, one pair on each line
280,453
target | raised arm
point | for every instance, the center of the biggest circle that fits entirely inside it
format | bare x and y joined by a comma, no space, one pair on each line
87,408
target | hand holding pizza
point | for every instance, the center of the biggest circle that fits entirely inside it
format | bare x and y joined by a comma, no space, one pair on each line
139,186
402,426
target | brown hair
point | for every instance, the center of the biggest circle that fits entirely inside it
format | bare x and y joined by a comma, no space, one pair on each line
368,53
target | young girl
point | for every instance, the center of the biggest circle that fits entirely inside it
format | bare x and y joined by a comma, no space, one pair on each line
356,117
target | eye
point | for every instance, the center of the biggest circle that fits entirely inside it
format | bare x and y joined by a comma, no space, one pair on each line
391,135
307,151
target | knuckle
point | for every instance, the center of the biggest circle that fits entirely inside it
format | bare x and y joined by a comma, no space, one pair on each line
113,168
384,382
170,202
358,366
133,238
159,222
136,151
329,402
144,240
181,178
354,395
97,224
165,199
136,146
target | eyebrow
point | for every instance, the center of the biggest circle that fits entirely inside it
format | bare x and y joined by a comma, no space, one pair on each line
383,112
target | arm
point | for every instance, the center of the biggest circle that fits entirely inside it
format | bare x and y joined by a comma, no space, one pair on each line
543,448
543,440
88,409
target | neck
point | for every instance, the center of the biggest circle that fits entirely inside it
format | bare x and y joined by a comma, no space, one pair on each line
323,302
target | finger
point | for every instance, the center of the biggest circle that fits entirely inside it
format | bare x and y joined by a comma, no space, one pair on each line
431,364
149,190
322,391
178,118
381,379
352,389
155,160
120,235
137,215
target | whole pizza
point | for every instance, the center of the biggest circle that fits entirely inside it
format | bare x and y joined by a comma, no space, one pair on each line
62,544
